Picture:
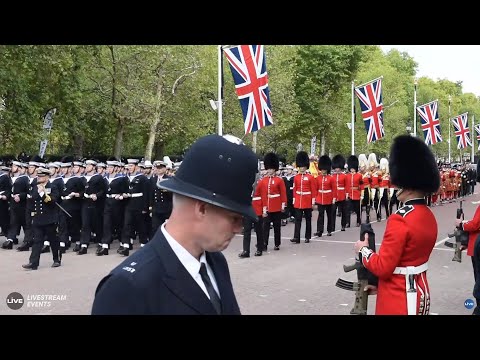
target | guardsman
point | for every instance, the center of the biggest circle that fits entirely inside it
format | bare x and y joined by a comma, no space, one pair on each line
18,203
401,264
114,210
160,199
325,196
5,191
353,186
136,208
92,205
44,219
274,199
304,192
340,180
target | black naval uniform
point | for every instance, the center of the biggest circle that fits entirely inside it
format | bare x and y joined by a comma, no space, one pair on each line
160,202
70,226
94,184
114,211
5,190
135,209
44,222
20,187
56,182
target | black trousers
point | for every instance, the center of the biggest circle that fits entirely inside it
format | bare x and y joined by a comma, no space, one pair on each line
276,219
384,203
156,221
342,208
247,233
39,234
299,213
394,201
113,215
91,222
17,221
70,226
4,216
134,222
354,207
322,209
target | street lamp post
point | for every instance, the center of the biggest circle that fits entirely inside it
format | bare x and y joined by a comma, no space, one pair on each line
449,131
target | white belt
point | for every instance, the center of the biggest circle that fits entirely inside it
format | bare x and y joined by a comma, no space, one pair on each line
65,197
303,193
257,198
136,195
324,191
29,196
412,270
291,188
87,196
274,195
411,286
340,188
113,195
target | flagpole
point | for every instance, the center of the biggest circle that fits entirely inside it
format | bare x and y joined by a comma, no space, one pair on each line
220,90
254,142
353,117
449,135
471,137
415,109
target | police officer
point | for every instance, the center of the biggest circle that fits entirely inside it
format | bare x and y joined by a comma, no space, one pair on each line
44,219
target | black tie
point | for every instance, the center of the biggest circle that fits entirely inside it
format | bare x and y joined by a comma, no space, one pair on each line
211,291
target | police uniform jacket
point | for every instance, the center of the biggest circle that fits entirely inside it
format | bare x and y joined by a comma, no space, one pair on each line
20,187
153,281
160,199
44,211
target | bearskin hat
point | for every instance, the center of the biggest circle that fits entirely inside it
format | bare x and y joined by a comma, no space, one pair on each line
302,159
338,161
352,162
271,161
325,163
412,165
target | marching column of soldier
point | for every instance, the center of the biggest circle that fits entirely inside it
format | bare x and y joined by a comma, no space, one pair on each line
358,187
76,202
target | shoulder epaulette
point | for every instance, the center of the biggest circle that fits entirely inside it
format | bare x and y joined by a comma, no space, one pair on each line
405,210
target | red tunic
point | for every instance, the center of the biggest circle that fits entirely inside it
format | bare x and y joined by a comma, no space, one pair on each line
325,189
304,190
273,193
257,202
340,181
473,228
354,180
409,239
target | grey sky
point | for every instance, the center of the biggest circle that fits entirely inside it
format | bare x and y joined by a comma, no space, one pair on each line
452,62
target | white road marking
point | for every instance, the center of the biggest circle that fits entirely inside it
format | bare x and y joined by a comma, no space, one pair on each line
302,300
343,304
262,295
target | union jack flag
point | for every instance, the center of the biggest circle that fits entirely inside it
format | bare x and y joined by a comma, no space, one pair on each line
249,71
371,103
477,130
430,122
460,123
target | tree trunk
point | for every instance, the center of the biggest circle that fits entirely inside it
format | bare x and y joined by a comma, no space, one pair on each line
117,150
78,144
151,138
159,150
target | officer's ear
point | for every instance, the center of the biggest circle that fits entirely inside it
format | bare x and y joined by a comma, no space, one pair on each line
200,208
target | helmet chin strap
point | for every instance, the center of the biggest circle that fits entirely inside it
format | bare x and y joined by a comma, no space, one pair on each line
399,191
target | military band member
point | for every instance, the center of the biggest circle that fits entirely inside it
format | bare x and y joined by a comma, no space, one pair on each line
304,192
160,199
325,196
114,210
401,263
18,203
44,219
274,199
5,191
340,179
